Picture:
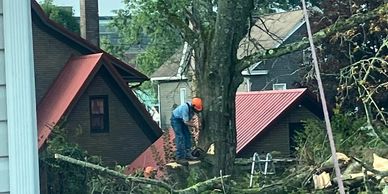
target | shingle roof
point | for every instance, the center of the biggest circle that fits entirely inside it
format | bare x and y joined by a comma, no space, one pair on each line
85,47
70,84
255,111
170,67
280,26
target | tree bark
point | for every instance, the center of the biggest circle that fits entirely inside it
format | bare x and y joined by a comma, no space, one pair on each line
216,60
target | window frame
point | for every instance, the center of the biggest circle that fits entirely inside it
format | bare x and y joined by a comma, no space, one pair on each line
182,95
105,115
284,86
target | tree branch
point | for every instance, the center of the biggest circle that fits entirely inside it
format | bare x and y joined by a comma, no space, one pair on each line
341,25
197,188
371,169
187,33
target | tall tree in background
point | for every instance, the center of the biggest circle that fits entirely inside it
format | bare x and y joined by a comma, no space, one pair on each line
61,15
345,48
214,30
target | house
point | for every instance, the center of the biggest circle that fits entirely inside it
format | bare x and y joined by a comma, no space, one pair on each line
88,92
270,31
174,84
266,121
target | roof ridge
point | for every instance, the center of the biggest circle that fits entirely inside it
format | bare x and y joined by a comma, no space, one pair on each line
272,91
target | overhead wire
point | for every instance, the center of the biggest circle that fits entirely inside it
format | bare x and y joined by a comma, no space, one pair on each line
323,101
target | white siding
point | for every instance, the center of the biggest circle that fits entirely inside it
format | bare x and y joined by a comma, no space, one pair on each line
4,175
4,166
18,170
3,139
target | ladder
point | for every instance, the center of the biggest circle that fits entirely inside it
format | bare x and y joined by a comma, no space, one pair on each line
269,166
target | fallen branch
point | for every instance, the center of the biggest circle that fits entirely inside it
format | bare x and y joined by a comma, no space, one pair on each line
371,169
197,188
340,25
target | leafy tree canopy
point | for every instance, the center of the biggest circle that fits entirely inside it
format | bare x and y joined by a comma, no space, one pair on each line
61,15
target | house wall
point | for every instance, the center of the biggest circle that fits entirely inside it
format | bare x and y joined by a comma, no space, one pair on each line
277,137
50,55
169,94
4,161
125,140
281,69
18,139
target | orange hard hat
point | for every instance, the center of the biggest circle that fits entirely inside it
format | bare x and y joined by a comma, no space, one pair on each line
149,169
197,104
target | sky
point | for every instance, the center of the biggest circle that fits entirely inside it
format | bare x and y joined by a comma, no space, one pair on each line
105,7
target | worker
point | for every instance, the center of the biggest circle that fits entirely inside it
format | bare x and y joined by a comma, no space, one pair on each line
181,120
149,172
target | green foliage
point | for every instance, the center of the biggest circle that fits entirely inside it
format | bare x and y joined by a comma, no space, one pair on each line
60,15
349,135
63,177
141,24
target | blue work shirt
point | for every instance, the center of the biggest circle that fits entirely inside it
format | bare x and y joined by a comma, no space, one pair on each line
183,112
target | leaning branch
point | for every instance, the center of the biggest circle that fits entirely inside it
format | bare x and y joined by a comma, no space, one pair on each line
371,169
339,26
197,188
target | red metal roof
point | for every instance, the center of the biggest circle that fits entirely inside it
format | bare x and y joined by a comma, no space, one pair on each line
147,158
69,85
63,91
257,110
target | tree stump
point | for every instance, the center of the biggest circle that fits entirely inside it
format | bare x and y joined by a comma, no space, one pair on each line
184,176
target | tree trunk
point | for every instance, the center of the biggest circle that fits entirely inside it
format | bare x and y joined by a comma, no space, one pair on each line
216,61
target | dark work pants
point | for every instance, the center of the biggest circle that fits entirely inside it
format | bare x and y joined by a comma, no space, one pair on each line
182,138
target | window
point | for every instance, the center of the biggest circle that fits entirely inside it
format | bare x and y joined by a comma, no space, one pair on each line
279,86
182,95
99,114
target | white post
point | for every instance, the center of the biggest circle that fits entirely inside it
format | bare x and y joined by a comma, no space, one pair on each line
21,105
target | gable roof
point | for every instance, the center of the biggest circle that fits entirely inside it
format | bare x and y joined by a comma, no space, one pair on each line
256,111
70,84
280,25
127,72
270,31
169,69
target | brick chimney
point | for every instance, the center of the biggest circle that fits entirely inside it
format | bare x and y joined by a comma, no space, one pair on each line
89,21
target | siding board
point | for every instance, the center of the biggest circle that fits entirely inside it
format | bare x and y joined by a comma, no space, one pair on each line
4,175
3,139
2,68
3,106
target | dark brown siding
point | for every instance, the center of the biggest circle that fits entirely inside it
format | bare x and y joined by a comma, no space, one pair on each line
50,55
169,95
276,138
125,140
281,69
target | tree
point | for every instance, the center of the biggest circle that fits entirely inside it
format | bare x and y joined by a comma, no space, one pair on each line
214,30
61,15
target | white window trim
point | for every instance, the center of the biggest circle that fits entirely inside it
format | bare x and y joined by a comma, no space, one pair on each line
283,85
182,95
